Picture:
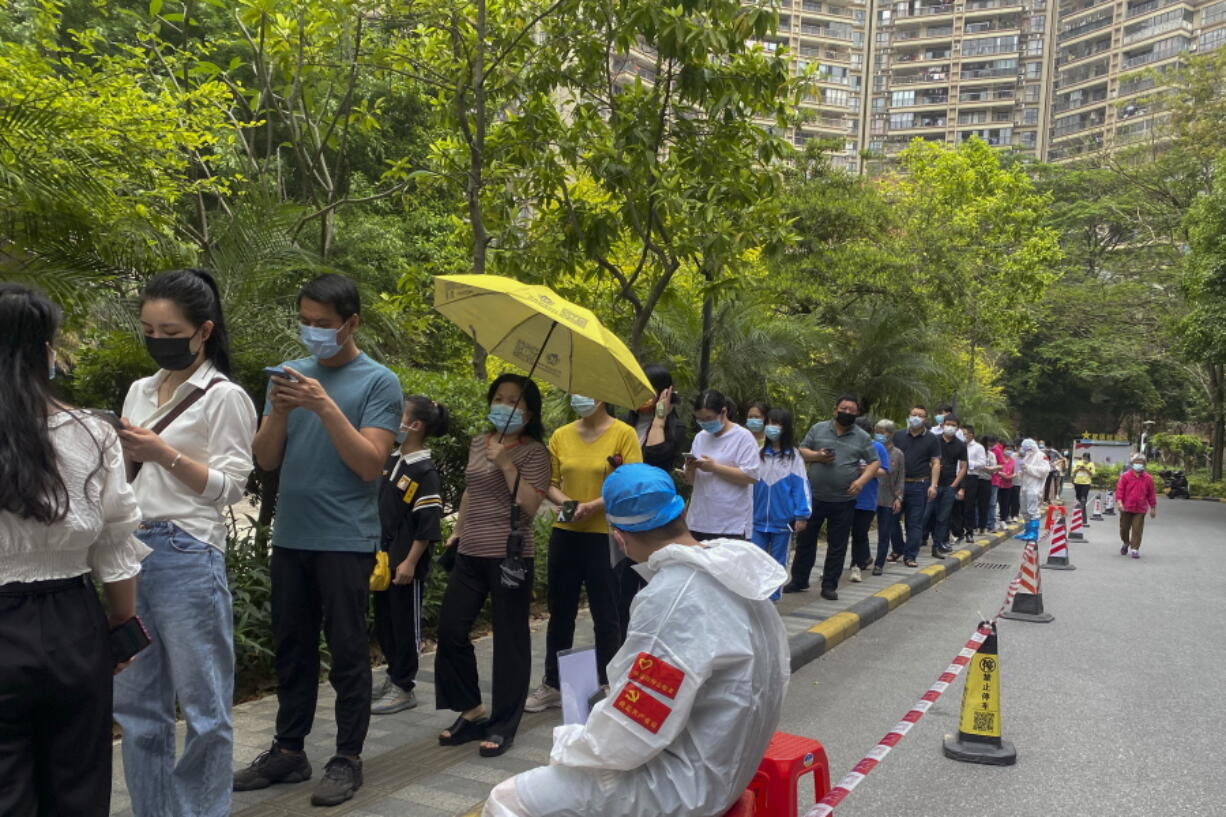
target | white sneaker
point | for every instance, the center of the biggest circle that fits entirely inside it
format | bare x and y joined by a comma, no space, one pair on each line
1134,553
542,698
855,575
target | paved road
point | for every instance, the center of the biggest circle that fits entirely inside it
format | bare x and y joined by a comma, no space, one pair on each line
1116,708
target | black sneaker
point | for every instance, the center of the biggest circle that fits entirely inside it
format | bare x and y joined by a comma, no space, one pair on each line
273,766
829,594
793,587
342,777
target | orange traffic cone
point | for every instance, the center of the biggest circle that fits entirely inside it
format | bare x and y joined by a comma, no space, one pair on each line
1028,601
1057,556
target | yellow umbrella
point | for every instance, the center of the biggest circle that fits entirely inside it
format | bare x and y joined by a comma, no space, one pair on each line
544,333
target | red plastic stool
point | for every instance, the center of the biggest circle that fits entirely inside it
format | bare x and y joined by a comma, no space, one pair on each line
747,806
787,759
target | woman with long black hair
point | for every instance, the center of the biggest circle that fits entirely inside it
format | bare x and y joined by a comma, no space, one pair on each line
66,510
188,443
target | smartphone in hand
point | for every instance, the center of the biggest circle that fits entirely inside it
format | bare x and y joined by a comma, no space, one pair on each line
127,640
278,371
567,511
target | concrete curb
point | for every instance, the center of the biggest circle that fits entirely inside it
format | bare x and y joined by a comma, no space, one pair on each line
1202,498
826,635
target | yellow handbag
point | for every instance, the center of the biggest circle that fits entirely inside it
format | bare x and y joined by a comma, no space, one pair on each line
381,576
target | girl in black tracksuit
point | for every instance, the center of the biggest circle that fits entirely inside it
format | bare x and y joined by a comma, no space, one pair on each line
410,514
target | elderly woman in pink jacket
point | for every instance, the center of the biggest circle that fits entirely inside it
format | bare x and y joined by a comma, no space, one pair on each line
1135,494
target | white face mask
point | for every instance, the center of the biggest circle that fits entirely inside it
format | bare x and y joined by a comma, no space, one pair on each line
1138,466
915,421
949,431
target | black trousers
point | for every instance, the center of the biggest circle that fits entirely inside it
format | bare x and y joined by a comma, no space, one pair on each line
972,520
838,517
1083,494
1015,502
473,579
398,626
629,583
580,560
861,551
55,701
314,589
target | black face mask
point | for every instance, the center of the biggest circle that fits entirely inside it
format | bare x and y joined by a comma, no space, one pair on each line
172,354
845,418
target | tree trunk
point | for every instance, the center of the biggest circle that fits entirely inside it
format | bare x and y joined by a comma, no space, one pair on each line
476,172
704,353
1217,397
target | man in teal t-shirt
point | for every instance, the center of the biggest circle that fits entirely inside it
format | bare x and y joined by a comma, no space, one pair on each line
328,425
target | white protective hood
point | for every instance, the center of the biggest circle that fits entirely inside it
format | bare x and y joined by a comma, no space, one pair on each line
742,567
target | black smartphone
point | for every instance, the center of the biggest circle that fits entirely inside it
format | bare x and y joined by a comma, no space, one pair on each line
109,416
567,512
127,640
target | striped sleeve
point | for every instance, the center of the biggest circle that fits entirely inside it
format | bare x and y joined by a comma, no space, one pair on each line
428,507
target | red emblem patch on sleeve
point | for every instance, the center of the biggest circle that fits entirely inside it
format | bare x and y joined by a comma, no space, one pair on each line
657,674
639,706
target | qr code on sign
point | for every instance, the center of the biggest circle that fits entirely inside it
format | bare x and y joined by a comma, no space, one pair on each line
985,721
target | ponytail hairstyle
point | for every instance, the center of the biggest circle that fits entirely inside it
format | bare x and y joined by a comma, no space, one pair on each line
196,295
712,400
434,416
31,486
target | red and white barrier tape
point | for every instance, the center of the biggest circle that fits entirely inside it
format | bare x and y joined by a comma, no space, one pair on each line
853,778
847,785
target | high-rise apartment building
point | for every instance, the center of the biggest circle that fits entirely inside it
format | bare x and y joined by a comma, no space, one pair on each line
1050,78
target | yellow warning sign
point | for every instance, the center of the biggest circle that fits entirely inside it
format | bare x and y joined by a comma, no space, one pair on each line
981,700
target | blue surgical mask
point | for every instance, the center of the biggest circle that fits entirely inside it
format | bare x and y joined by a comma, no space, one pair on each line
755,424
1138,466
499,416
319,341
940,418
583,406
711,426
773,432
402,435
879,437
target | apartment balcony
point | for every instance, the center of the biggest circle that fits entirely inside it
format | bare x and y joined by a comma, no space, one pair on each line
920,35
988,73
927,11
907,59
826,32
925,102
1078,123
977,53
1157,55
931,76
977,7
1083,28
1137,9
1001,96
1072,105
1161,28
1078,6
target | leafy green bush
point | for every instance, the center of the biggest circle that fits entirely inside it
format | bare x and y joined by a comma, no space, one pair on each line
1203,487
247,567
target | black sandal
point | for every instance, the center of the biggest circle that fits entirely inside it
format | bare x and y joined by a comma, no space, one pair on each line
501,744
464,731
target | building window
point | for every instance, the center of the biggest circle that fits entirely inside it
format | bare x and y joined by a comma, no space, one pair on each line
901,99
1214,13
1212,39
989,45
1030,116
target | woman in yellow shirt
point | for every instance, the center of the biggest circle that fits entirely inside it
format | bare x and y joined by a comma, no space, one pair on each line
583,453
1083,477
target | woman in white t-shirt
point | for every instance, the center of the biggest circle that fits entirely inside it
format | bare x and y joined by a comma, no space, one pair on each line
723,468
185,472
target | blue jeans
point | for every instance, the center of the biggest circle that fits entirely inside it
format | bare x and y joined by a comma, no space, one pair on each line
889,534
917,509
184,601
944,506
992,508
776,544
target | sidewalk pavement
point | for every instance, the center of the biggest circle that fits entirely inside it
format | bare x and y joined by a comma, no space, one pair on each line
407,774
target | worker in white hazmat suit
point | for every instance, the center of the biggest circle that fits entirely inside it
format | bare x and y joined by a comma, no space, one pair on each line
1034,468
696,689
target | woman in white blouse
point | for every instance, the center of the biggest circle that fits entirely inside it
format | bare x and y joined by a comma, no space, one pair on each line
188,442
66,511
